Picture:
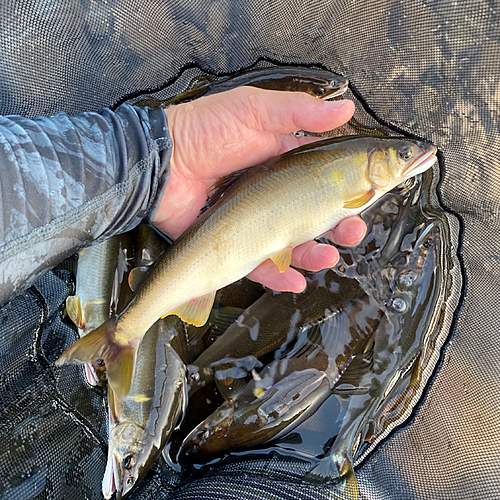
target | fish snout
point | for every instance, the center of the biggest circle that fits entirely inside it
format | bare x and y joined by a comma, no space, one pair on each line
421,163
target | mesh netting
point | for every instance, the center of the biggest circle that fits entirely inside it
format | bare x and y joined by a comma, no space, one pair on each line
430,69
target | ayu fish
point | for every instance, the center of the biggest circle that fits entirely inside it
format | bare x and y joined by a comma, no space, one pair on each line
290,389
316,82
263,213
99,272
269,322
412,290
141,424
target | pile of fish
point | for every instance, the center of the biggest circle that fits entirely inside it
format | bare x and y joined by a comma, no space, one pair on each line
163,324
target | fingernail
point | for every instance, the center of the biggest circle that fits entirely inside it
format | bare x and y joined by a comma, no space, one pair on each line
337,104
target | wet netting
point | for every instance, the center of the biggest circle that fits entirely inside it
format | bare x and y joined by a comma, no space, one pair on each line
429,69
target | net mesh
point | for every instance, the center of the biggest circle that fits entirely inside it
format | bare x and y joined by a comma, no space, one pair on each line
428,68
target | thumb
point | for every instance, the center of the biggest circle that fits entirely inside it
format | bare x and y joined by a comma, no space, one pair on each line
285,112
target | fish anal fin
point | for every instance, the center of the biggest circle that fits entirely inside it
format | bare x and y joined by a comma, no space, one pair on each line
119,358
196,311
283,259
136,276
361,200
74,311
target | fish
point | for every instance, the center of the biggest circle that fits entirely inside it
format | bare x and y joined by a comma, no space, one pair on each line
142,423
99,271
411,283
252,215
290,389
316,82
271,321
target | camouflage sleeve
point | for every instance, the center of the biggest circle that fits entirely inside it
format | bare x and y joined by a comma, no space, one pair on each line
66,181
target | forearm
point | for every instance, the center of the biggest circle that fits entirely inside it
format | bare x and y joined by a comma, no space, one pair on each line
68,181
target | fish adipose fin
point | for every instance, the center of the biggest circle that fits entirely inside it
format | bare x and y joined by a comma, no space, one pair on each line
101,344
360,200
195,311
283,259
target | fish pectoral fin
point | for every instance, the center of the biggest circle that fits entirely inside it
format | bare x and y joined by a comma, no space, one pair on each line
360,200
136,276
196,311
74,311
283,259
101,344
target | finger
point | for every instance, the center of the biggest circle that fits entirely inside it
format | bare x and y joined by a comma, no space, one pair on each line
314,256
268,274
286,112
348,232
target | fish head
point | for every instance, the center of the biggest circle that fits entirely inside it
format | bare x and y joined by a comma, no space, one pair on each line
128,459
393,160
326,88
210,436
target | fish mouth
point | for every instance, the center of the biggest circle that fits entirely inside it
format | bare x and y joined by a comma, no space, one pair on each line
111,478
421,163
340,91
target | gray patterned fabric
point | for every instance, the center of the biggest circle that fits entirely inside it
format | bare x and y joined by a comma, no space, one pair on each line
67,181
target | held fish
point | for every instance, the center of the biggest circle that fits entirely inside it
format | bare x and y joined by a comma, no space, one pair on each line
263,213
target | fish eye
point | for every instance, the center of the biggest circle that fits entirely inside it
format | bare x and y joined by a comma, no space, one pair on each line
405,153
128,461
319,91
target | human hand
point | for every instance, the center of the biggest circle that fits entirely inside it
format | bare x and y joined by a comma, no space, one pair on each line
219,134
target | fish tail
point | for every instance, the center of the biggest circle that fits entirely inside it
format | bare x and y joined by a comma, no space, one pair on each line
334,467
101,344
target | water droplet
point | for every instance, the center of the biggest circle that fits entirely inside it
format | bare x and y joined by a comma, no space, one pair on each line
399,305
407,279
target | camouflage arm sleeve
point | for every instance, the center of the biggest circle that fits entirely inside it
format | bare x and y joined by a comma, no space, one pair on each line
66,181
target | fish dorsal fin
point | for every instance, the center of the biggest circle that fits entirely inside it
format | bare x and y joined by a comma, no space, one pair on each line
195,311
74,311
360,200
283,259
219,187
136,276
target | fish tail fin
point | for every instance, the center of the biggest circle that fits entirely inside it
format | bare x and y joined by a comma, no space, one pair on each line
334,467
101,344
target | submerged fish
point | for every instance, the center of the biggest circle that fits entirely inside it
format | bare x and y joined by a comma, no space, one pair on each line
143,421
316,82
98,274
289,390
411,284
265,211
271,321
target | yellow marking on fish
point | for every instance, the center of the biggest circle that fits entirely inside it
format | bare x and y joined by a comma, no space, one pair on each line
139,398
360,200
195,311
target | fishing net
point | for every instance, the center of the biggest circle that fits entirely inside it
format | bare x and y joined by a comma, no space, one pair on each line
428,69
